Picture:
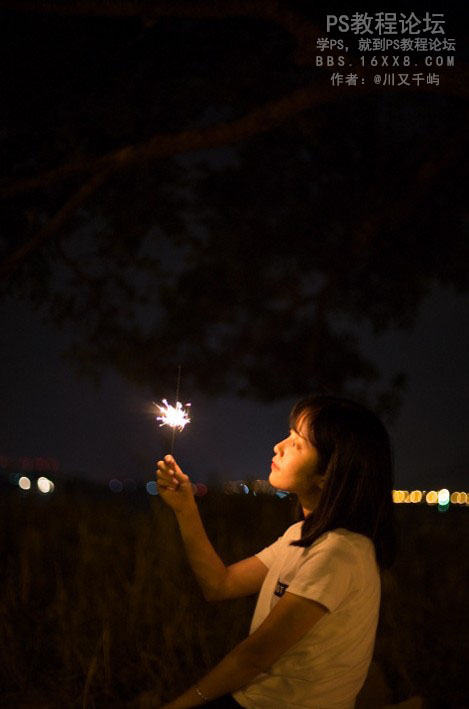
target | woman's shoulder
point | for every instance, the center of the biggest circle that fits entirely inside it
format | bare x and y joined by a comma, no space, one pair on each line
341,534
341,537
293,532
357,548
337,541
341,541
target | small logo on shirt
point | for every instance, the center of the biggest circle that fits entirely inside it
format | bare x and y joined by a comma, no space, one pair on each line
280,589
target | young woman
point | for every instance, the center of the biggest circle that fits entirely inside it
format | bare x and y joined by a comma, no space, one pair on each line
312,634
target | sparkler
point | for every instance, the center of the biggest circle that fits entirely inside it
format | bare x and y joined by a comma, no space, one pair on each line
174,416
177,417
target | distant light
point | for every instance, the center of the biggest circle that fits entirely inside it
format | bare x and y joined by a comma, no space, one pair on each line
458,498
24,483
431,497
228,488
201,489
236,486
115,485
443,497
44,485
416,496
152,487
262,487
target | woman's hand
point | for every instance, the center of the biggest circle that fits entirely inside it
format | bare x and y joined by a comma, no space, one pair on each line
174,486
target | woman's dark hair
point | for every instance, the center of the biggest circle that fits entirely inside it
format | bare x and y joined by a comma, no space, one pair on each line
354,452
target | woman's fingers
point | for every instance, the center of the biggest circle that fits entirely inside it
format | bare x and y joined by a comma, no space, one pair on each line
166,476
169,474
171,463
178,474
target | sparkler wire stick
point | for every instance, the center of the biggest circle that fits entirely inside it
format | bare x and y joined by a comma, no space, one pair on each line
178,385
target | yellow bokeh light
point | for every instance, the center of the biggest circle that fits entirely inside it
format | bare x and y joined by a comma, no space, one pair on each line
24,483
441,497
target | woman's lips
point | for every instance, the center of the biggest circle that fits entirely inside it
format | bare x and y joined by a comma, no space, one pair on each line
274,465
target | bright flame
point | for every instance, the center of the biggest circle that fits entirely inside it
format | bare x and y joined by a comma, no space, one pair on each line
176,417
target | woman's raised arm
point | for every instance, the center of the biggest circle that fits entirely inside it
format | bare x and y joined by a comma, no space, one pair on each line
216,580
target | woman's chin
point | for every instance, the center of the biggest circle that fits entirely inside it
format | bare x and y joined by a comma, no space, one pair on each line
275,480
272,478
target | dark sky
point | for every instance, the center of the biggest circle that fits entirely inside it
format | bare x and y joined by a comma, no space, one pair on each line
110,431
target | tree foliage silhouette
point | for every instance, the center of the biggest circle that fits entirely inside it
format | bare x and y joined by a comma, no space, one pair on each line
182,184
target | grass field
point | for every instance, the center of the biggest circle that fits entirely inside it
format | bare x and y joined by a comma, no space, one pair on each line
98,604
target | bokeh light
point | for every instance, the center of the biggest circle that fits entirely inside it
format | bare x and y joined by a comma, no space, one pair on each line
24,483
201,489
115,485
152,487
44,485
443,496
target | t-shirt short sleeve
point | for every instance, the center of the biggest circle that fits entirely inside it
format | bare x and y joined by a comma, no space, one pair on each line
269,554
328,574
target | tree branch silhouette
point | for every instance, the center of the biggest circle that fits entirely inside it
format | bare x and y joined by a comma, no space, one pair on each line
257,121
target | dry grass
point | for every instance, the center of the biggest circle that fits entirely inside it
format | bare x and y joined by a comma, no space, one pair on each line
98,604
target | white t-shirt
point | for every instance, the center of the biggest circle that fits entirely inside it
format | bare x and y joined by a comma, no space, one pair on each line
328,666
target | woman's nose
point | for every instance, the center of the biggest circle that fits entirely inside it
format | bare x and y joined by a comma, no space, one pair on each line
278,448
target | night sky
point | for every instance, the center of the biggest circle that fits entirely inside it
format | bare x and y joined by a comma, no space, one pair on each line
110,431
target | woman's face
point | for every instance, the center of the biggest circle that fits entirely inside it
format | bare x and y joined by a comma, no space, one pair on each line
294,466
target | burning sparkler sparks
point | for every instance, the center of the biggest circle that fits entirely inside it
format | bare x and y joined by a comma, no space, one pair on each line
176,417
173,416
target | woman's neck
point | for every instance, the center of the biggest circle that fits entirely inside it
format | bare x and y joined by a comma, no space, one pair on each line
309,502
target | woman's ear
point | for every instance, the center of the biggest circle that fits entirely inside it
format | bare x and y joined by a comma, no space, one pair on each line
321,481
